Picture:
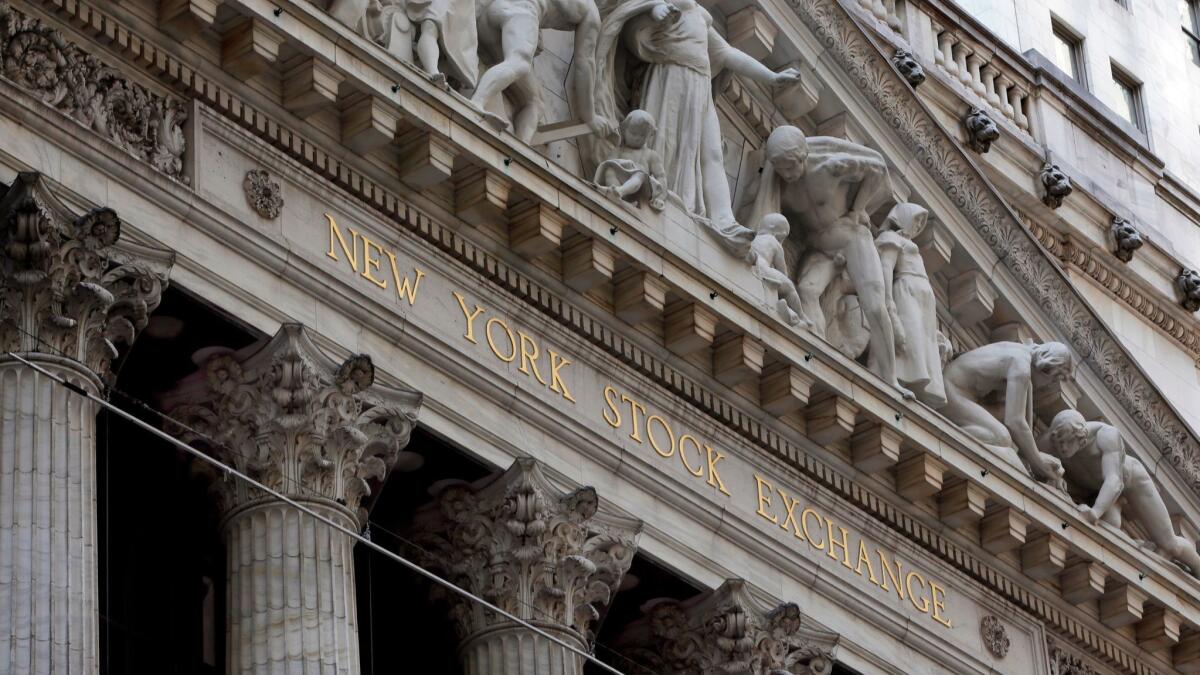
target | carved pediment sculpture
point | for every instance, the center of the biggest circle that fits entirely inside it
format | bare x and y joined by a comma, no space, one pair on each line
770,265
729,631
1096,460
806,179
635,172
681,52
1008,368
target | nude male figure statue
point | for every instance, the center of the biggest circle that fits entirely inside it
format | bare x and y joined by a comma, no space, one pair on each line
1095,459
1007,367
509,31
828,186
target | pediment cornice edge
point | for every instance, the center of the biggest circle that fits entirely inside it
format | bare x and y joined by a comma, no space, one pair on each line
1018,250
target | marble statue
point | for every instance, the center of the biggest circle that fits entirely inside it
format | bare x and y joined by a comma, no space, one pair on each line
635,171
1008,368
1126,239
352,13
907,64
981,129
911,303
1094,456
828,186
1188,283
509,34
770,265
1055,184
443,31
682,53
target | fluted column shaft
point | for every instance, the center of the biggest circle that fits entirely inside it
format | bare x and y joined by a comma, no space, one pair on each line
291,598
511,649
48,597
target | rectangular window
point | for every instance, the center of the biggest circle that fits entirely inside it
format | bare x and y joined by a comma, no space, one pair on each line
1191,30
1128,98
1068,53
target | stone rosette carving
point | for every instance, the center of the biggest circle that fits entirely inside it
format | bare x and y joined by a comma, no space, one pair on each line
995,636
67,290
981,130
1188,283
727,630
1055,185
908,66
540,553
292,418
1063,662
39,59
1126,239
264,195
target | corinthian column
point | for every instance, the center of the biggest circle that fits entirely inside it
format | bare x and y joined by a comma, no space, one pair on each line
323,434
728,630
70,296
540,553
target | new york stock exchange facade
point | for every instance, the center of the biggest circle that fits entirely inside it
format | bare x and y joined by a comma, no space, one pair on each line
692,338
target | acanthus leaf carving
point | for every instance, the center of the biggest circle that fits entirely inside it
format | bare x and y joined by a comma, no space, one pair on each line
39,59
727,630
288,416
67,290
540,553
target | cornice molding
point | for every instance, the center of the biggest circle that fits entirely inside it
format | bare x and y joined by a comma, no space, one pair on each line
1015,247
391,207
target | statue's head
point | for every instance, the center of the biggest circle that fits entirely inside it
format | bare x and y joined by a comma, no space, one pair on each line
1054,360
787,151
637,129
907,219
1068,433
774,224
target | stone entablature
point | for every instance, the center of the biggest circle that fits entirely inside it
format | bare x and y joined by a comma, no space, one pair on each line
858,388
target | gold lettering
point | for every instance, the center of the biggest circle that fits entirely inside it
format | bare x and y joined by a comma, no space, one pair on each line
634,407
844,543
529,355
714,478
887,567
820,546
696,471
939,603
557,385
512,343
764,500
790,504
470,316
369,262
912,597
406,288
863,557
351,251
615,420
654,443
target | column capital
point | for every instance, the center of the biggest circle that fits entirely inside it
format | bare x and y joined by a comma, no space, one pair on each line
727,630
68,288
544,554
290,416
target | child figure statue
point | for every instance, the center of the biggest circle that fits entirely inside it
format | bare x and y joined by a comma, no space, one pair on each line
443,32
636,174
770,265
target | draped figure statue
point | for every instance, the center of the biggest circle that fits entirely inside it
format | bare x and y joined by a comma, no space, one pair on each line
681,53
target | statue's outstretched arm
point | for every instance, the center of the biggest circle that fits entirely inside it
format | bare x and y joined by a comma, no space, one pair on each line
1110,444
